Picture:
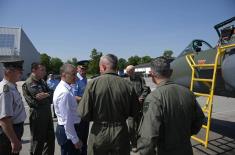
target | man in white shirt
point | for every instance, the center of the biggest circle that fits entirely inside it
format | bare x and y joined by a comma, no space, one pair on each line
65,106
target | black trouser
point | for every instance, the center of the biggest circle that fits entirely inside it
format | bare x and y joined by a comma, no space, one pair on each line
5,144
83,130
42,131
66,145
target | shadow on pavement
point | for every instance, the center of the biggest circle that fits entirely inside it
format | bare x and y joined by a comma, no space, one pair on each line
224,144
225,128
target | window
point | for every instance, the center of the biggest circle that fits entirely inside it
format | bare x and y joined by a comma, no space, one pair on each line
7,40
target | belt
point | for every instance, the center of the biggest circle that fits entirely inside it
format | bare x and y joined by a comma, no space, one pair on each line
18,124
110,124
75,125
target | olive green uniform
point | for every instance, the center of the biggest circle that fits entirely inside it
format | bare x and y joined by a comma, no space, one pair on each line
40,119
171,116
139,85
142,91
108,101
11,105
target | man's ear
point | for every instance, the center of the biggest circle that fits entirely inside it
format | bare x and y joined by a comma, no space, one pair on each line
63,74
103,68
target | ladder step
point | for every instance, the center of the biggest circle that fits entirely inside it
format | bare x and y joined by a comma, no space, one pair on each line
204,126
201,94
198,139
205,110
203,65
203,80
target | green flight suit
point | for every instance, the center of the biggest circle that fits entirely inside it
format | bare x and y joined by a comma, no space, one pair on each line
171,116
139,85
108,101
40,118
142,91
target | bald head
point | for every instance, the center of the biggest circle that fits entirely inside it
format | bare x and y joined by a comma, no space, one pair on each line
108,63
68,73
130,70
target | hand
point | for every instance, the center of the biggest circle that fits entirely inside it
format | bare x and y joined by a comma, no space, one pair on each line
16,146
78,145
141,99
41,95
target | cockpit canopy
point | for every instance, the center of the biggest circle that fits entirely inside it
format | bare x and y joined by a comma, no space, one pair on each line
196,45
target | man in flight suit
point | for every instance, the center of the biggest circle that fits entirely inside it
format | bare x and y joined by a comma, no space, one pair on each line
39,98
108,101
12,111
142,91
171,115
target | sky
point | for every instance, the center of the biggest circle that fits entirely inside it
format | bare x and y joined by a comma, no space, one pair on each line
72,28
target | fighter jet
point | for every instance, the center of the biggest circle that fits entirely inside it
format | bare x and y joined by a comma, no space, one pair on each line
203,53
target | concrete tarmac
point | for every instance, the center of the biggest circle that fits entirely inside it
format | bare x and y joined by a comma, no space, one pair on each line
221,138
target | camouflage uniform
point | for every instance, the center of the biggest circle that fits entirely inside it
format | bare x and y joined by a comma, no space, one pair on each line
171,116
40,119
108,101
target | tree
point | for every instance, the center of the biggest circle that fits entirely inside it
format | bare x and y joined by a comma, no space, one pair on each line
74,61
122,64
134,60
146,59
93,67
167,53
56,63
45,60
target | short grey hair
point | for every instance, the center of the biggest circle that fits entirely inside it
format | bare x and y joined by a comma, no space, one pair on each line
109,60
65,68
161,66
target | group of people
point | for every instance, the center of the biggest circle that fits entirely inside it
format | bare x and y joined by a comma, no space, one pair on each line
126,115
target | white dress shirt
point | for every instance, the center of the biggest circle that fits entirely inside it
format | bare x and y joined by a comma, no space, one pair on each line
65,106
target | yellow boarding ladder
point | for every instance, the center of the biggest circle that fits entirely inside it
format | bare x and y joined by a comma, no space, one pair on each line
207,109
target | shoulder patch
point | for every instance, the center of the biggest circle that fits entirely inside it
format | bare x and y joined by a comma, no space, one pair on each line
6,88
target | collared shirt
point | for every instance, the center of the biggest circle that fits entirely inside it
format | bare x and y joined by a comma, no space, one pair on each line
80,86
65,108
79,76
11,104
52,83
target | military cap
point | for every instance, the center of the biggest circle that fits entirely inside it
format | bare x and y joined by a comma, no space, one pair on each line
12,63
83,64
161,65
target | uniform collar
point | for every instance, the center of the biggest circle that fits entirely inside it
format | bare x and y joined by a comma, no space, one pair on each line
80,77
66,85
11,85
34,77
111,72
164,83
